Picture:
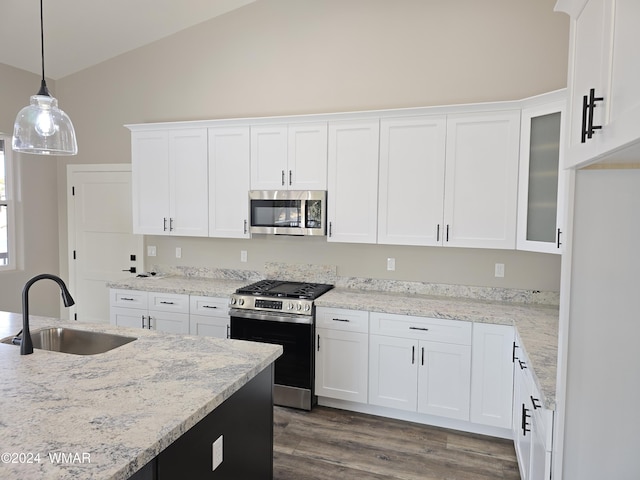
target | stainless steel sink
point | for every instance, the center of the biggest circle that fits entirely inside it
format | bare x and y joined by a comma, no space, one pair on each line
77,342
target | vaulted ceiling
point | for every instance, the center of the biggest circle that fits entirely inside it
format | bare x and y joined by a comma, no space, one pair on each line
81,33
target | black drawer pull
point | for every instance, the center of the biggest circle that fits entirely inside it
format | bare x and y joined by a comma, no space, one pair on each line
340,320
424,329
127,299
166,303
209,306
535,401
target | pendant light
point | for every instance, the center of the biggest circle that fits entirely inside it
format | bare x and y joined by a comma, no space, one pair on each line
42,128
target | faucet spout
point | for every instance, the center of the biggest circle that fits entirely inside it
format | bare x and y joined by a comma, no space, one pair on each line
26,345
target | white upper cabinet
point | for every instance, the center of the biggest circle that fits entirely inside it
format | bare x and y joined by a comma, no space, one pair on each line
352,196
307,168
290,157
481,182
411,186
542,180
604,74
229,182
150,181
170,186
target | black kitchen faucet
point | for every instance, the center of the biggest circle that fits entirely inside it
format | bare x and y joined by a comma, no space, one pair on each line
26,346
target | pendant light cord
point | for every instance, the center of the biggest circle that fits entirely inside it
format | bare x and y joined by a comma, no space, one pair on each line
43,84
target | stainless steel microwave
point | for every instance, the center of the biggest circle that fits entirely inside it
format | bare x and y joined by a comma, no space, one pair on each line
288,212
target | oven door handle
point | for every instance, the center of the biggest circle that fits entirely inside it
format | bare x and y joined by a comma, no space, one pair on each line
271,317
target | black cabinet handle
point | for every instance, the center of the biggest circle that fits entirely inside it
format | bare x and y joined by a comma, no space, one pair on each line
592,105
290,178
558,242
585,109
588,106
330,228
164,224
419,328
513,353
171,224
422,355
438,233
245,227
318,342
447,239
525,425
413,355
534,401
522,365
282,178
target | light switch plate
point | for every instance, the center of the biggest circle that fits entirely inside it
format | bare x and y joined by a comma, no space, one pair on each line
391,263
151,251
243,255
499,270
178,252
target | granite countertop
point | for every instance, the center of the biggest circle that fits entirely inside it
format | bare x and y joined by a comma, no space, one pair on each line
206,287
537,324
116,410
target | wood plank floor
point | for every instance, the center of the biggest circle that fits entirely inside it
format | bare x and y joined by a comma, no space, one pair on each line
328,443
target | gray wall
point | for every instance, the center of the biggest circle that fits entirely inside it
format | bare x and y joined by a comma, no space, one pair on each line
278,57
36,195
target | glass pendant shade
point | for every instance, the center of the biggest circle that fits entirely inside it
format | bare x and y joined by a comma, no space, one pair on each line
43,129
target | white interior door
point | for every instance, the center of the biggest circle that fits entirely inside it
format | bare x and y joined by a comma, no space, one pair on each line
101,243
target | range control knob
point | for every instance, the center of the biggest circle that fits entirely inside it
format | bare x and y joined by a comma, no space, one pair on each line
307,307
232,301
241,301
289,306
299,307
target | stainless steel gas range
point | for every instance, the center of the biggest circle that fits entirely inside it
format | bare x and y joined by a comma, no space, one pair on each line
282,312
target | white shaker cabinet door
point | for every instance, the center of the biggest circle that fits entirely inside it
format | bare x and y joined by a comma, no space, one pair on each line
150,182
444,378
412,156
307,157
393,372
492,375
269,157
188,182
481,189
352,196
341,364
229,182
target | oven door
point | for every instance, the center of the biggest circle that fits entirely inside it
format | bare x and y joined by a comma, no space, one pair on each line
294,370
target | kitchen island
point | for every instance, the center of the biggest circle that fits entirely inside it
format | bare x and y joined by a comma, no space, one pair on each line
107,416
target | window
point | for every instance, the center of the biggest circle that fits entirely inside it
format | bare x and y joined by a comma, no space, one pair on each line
7,254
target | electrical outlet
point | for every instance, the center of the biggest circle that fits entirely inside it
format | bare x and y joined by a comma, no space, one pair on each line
178,252
151,251
243,255
216,450
499,270
391,263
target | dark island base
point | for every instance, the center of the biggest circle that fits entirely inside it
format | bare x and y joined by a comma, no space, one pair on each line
245,420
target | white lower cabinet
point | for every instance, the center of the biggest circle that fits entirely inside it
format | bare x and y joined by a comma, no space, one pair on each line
165,312
420,364
492,375
532,423
342,352
209,316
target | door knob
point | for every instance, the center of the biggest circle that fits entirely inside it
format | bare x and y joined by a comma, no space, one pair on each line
130,270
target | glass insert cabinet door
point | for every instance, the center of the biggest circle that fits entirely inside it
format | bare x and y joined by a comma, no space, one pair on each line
542,179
